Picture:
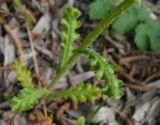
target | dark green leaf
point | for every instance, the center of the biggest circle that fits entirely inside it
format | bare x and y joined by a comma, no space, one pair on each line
147,36
130,18
99,8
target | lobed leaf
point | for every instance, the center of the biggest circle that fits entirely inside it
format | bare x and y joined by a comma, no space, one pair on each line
131,18
99,8
26,98
105,71
147,36
68,34
23,75
82,93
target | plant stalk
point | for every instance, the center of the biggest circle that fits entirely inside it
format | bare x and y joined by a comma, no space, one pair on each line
104,23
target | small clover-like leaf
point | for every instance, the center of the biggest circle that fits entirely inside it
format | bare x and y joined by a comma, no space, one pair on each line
105,71
129,19
99,8
23,75
82,93
147,36
26,98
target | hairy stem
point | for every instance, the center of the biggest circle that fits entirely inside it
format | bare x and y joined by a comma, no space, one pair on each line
104,23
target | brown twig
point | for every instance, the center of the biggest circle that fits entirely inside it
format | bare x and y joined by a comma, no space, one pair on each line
33,51
143,88
138,88
4,68
127,60
129,78
62,109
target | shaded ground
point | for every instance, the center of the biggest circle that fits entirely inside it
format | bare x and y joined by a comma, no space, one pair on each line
139,70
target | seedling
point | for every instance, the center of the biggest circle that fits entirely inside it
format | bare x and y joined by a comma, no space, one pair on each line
83,92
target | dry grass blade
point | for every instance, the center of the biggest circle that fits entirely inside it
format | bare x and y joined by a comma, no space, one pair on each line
16,41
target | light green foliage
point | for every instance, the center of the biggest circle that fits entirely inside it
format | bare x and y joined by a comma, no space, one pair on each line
82,93
26,98
23,75
26,17
80,121
99,8
68,34
148,36
105,71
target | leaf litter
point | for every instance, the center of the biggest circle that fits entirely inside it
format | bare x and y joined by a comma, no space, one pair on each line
139,70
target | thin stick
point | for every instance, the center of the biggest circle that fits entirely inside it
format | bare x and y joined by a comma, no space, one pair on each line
33,50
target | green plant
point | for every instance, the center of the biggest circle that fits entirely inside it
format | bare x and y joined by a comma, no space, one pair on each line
27,98
99,8
147,36
68,34
23,75
105,71
30,95
136,19
80,121
88,93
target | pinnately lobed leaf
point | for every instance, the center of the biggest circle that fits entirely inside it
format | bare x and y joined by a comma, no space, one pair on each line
82,93
68,34
26,98
105,71
23,75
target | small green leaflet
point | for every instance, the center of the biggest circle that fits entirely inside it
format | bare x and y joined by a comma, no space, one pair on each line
105,71
82,93
68,34
26,99
23,75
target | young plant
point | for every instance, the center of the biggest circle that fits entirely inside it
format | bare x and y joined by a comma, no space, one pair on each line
30,95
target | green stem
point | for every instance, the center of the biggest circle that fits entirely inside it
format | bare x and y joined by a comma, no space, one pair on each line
106,21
